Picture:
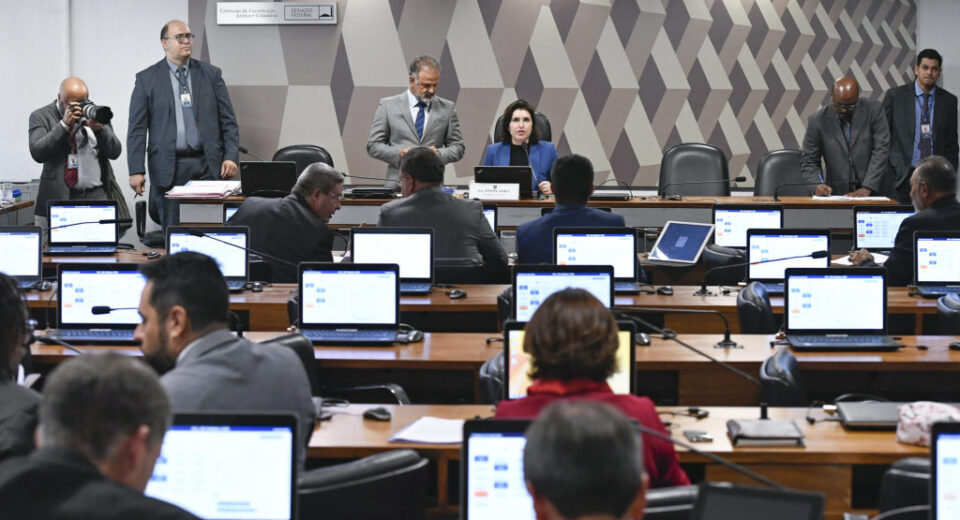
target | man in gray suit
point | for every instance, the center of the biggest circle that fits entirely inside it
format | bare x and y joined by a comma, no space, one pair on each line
184,105
462,234
852,138
183,334
416,117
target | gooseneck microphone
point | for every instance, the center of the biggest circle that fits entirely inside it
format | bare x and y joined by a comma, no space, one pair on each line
243,149
703,283
199,233
663,190
106,309
352,176
726,342
120,221
776,191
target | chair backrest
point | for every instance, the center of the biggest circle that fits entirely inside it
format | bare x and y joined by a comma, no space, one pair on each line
387,485
304,155
948,308
303,348
543,127
780,377
153,239
776,168
716,256
694,162
670,503
491,378
754,311
906,483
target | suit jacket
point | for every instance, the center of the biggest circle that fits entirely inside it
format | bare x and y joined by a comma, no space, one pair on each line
393,129
942,215
18,419
462,235
899,107
55,483
285,228
223,372
542,155
535,238
50,145
869,148
152,126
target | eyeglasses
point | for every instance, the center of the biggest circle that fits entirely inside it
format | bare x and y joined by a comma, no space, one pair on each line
28,333
851,106
182,38
335,196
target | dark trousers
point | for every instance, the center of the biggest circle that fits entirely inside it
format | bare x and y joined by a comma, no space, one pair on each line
901,192
188,169
97,193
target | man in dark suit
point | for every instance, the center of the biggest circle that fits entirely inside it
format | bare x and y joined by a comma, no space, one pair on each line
103,417
923,122
852,139
933,190
462,235
294,228
184,105
572,184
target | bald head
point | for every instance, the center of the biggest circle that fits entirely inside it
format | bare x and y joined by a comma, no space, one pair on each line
846,93
73,90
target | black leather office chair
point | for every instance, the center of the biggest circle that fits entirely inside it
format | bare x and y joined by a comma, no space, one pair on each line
780,167
754,311
457,271
671,503
948,308
304,155
153,239
716,256
384,486
694,162
543,127
906,483
491,378
781,381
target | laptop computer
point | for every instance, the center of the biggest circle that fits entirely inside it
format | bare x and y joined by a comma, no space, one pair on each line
518,363
680,243
349,303
616,246
726,502
82,287
490,213
20,255
410,248
229,210
871,415
876,227
771,244
222,466
234,261
267,178
945,471
731,222
532,284
611,194
492,486
73,227
936,262
837,309
522,175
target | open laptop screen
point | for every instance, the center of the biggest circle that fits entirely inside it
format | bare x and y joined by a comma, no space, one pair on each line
731,222
490,213
583,246
72,213
770,244
876,227
533,285
938,259
348,295
227,471
945,463
82,288
843,302
20,251
231,260
411,249
681,242
493,481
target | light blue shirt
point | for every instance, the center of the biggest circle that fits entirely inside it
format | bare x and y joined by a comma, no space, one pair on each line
178,110
917,113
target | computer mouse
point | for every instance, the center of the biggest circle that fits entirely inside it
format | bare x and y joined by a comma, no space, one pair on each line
642,339
665,290
152,255
414,336
257,287
456,294
377,414
955,345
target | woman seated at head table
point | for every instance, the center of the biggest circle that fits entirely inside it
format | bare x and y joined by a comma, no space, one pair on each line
573,340
519,144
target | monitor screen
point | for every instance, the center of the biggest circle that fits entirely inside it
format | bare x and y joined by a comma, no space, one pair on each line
226,472
835,302
85,233
231,260
495,485
81,290
491,215
586,248
534,287
731,224
20,252
681,241
782,245
411,251
878,229
947,492
938,259
349,296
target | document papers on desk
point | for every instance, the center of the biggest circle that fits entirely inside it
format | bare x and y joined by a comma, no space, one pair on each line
205,189
431,430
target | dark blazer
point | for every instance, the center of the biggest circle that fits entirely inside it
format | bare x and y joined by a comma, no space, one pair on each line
535,238
942,215
462,235
49,144
542,156
152,106
61,484
869,147
18,419
286,228
899,107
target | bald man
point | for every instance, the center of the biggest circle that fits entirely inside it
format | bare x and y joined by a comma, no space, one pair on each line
75,151
851,138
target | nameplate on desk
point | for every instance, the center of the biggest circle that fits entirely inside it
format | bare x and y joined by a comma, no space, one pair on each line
276,13
494,191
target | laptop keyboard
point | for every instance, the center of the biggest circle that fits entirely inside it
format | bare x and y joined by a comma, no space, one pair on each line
774,288
626,287
330,335
236,285
99,333
106,250
415,287
939,289
867,339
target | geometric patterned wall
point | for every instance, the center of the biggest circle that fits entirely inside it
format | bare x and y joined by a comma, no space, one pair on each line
620,80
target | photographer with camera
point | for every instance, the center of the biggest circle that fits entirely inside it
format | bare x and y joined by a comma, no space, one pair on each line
73,139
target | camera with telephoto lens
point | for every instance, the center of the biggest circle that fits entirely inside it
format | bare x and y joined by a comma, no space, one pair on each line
100,114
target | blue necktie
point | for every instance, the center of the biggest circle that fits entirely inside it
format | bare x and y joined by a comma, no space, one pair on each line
420,106
189,122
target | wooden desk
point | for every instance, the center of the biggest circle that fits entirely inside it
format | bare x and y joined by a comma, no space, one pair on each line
825,464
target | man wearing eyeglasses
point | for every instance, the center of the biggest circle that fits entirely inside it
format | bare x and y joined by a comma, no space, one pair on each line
851,138
182,120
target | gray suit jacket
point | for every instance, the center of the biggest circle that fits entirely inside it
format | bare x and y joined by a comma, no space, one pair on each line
462,235
899,106
50,144
394,129
222,372
869,148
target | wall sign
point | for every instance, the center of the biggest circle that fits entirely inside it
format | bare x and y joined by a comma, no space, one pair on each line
276,13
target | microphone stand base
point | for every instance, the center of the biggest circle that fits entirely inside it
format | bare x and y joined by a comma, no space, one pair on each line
703,291
727,344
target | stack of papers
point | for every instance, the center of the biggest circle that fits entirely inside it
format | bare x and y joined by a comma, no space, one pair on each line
205,190
431,430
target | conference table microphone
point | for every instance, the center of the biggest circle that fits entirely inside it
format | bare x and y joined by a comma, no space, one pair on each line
726,342
243,149
663,191
776,191
120,221
199,233
703,283
98,310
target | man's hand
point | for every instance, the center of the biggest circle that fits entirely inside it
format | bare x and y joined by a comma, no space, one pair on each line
137,180
823,190
403,151
860,256
434,148
545,188
95,126
72,114
228,169
861,192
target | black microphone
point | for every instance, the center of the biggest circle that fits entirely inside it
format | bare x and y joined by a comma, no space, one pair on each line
823,253
776,191
243,149
381,179
106,309
663,190
199,233
726,342
120,221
